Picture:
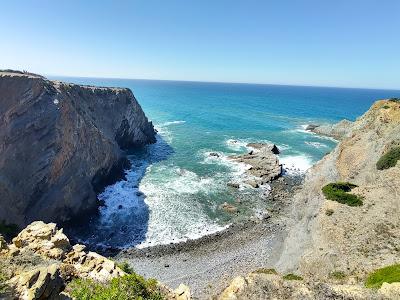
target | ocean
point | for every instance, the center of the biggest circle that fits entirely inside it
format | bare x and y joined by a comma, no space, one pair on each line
175,189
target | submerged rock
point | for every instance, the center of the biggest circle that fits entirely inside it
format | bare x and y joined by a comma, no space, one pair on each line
60,144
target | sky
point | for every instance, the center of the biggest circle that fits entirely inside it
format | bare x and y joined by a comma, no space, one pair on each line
345,43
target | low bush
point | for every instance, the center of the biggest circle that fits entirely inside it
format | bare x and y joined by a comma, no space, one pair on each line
124,266
292,277
387,274
394,99
337,275
386,107
266,271
339,192
4,288
128,287
8,231
389,159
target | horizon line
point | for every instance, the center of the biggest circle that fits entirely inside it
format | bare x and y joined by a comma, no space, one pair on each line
227,82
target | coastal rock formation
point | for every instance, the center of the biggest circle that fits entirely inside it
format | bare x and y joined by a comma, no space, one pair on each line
273,286
332,246
41,262
60,143
263,162
327,236
337,131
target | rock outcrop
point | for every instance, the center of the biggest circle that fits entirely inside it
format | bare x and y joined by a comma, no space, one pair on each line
327,240
60,143
337,131
263,163
273,286
41,262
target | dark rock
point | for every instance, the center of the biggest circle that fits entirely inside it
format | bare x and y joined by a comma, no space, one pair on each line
234,185
60,144
258,146
215,154
311,127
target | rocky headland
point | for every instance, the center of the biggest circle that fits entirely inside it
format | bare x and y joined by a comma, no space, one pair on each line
60,144
330,247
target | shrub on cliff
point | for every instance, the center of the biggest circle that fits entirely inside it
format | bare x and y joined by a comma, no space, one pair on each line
339,191
389,159
387,274
131,286
394,99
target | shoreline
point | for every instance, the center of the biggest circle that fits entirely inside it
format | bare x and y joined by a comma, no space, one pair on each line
209,263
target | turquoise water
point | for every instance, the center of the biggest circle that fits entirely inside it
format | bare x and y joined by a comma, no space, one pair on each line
175,189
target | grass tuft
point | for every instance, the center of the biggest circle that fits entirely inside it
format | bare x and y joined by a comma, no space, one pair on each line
292,277
266,271
394,99
387,274
339,192
128,287
389,159
124,266
339,275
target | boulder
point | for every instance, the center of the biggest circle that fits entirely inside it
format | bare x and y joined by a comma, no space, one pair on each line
60,144
43,239
182,292
40,283
233,185
92,265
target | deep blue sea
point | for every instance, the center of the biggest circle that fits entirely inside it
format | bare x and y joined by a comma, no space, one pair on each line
175,189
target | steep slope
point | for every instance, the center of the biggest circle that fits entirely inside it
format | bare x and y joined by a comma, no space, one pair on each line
60,143
333,246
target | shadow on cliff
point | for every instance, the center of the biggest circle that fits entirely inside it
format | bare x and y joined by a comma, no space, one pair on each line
123,219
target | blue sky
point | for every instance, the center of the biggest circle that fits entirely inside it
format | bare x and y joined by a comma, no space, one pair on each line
349,43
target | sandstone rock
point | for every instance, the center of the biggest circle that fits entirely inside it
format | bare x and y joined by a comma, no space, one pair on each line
44,239
41,283
390,290
3,243
60,144
182,292
92,265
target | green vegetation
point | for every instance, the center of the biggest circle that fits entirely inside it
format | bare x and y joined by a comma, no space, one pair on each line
292,277
389,159
4,288
339,192
8,230
339,275
128,287
394,99
386,107
124,266
266,271
387,274
329,212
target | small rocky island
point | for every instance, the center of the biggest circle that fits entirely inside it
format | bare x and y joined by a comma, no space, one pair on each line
60,144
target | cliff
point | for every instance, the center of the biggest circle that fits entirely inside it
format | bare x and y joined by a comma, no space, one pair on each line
333,246
60,143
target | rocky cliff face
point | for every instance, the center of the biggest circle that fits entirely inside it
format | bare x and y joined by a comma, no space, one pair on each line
331,245
60,143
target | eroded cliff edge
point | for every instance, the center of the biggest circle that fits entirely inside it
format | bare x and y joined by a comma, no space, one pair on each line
332,247
60,143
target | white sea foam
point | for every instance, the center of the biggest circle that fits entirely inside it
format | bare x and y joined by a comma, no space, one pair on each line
296,163
174,216
316,145
173,123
